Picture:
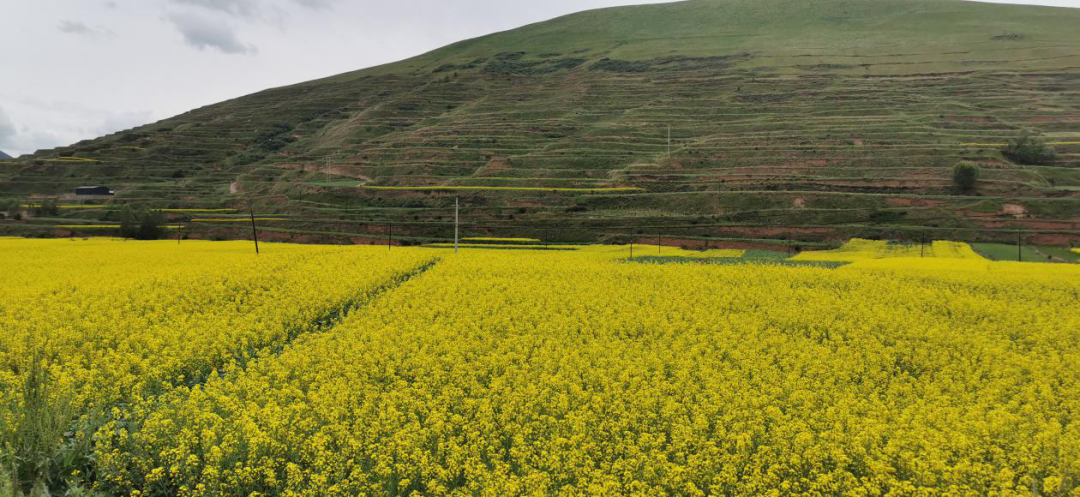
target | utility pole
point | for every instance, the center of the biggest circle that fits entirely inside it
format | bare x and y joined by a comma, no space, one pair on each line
179,230
390,238
631,246
254,234
659,242
327,171
457,222
1019,247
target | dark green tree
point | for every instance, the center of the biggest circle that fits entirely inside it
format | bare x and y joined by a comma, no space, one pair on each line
965,177
1029,149
141,223
152,226
129,222
47,207
11,209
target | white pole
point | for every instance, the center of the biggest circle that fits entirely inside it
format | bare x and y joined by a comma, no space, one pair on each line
457,220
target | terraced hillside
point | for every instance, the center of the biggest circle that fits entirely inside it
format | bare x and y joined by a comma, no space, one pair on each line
739,121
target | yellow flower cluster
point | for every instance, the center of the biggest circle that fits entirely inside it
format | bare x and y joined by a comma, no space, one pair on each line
857,250
105,226
610,251
115,322
513,372
495,239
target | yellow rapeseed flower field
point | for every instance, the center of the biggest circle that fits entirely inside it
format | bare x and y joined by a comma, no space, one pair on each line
572,372
857,250
609,251
504,240
89,325
204,370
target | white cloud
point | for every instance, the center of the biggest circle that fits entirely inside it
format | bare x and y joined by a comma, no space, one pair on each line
316,4
81,29
16,142
204,32
43,124
121,121
7,129
241,8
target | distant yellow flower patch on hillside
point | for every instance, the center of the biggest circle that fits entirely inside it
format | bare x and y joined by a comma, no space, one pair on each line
859,249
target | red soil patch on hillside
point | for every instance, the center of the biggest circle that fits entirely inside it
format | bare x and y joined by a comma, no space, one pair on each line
688,244
913,202
1054,240
1032,225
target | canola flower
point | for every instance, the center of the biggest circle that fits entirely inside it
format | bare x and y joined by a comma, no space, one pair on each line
71,159
109,322
504,373
72,207
606,251
105,226
496,239
859,249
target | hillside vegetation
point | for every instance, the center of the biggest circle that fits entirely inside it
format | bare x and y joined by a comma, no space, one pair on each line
703,120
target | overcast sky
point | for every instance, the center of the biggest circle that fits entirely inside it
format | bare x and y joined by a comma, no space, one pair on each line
76,69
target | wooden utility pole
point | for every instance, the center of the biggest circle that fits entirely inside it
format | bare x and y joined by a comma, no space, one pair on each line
254,233
390,238
457,222
1019,247
659,242
631,246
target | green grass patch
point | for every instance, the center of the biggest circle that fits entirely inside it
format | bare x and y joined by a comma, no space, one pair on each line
1067,255
765,255
1004,252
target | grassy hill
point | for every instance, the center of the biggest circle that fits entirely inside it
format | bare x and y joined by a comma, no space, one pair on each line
706,121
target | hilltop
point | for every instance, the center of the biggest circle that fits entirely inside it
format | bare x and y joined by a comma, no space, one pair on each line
704,121
3,155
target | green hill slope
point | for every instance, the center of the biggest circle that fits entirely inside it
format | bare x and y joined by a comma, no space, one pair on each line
807,120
